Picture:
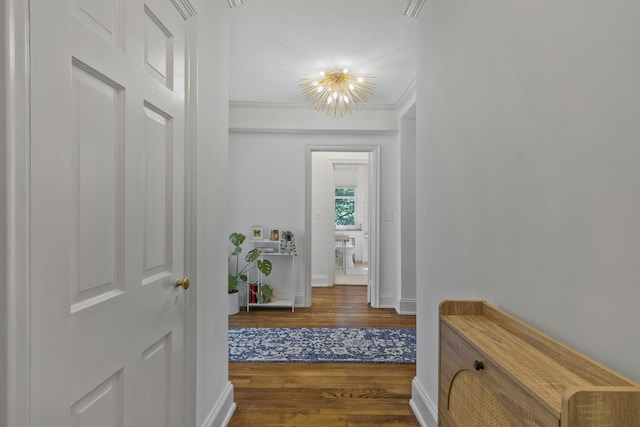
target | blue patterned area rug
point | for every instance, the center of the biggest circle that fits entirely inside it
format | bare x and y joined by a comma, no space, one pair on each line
363,345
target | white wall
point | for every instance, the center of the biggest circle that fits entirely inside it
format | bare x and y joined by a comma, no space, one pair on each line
321,219
527,137
267,171
214,393
407,285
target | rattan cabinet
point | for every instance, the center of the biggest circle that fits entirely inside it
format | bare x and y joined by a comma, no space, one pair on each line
495,370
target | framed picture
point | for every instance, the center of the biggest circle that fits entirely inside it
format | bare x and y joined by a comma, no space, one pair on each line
256,233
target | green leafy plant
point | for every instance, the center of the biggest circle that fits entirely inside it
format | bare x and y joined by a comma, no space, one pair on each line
239,273
264,294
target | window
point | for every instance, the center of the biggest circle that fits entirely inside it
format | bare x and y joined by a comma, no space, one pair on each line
345,212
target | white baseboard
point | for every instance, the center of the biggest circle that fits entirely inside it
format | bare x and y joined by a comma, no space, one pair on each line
320,280
423,408
223,410
407,306
388,302
404,306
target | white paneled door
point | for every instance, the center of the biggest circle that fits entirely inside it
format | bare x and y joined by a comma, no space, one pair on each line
107,206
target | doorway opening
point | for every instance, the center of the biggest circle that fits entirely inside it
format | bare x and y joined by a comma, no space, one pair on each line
348,203
342,218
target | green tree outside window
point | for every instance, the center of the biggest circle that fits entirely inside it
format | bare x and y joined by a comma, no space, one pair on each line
345,207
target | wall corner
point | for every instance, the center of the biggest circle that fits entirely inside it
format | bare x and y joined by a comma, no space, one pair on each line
222,412
424,409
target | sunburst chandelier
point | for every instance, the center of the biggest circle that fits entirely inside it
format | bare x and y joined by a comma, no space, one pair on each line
337,91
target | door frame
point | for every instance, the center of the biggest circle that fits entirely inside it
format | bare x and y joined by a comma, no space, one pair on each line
190,217
15,148
15,214
373,287
330,202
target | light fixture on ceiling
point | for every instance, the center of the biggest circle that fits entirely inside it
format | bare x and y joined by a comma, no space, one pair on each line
337,91
413,8
235,3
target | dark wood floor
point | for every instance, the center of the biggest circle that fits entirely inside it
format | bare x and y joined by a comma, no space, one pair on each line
323,394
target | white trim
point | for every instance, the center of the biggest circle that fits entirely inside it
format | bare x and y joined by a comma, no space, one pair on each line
188,6
330,236
189,399
407,97
303,105
407,306
374,219
423,408
278,131
331,165
375,226
223,410
235,3
307,226
413,8
4,211
389,302
320,280
185,8
16,182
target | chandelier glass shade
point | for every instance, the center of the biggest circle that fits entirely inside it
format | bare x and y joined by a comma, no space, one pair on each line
337,91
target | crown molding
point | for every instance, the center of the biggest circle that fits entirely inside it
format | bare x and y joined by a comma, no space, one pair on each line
407,95
303,105
256,104
281,131
185,8
189,7
413,8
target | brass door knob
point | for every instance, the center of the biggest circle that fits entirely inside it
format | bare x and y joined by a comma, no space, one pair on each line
183,283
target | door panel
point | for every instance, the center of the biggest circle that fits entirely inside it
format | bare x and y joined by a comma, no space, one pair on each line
108,220
158,212
97,214
157,375
102,407
158,49
103,17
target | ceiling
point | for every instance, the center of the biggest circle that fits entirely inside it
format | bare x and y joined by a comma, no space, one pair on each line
275,43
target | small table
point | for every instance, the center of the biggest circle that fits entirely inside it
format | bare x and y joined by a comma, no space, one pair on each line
344,238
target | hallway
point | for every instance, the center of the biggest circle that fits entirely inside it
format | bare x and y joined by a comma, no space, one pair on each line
335,306
323,394
354,276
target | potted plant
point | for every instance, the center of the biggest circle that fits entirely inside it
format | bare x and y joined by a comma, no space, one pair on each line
264,293
240,268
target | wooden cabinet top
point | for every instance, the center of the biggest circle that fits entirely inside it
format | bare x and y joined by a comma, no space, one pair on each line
556,375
